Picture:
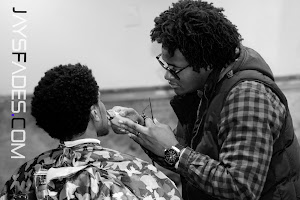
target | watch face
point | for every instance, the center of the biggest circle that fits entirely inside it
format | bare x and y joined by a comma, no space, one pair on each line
171,156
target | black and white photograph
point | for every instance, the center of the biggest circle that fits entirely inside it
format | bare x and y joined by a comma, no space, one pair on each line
149,99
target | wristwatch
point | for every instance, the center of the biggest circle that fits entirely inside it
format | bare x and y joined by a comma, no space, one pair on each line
172,154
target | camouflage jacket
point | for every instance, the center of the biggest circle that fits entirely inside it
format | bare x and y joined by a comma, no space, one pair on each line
88,171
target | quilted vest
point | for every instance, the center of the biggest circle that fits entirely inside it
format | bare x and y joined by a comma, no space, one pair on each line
200,134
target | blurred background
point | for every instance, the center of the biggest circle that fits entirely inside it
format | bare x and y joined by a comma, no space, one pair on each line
112,38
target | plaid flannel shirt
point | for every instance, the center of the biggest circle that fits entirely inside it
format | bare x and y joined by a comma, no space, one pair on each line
250,123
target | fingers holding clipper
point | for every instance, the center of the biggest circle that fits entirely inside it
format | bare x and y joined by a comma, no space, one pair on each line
132,126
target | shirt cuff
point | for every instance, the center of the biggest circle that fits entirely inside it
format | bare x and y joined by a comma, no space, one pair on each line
182,163
177,163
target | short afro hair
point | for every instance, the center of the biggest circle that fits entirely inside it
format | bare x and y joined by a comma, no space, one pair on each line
200,31
62,100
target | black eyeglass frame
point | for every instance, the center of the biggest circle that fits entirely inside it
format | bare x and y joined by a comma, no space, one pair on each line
172,71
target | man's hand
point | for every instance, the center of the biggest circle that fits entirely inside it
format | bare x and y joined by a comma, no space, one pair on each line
119,113
154,136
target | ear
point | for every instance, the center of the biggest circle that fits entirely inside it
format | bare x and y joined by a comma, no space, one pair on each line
94,113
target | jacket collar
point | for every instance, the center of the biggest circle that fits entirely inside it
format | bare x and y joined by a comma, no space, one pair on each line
81,141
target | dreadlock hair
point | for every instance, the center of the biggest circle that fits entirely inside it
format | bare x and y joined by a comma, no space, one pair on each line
200,31
62,99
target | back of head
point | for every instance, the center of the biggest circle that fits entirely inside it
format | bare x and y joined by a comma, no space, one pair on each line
62,100
200,31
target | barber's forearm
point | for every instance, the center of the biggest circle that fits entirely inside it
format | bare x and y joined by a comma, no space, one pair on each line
215,178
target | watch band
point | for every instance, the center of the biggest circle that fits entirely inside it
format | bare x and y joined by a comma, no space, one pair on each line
180,147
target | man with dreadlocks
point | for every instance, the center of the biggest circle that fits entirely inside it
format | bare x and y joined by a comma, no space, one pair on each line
234,138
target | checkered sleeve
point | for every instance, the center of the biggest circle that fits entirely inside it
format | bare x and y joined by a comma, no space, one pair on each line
250,123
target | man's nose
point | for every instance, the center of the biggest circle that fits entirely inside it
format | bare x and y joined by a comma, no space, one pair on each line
168,76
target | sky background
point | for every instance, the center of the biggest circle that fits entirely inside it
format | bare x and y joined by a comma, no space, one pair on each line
112,38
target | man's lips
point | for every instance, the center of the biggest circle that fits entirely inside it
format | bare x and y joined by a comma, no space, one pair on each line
173,85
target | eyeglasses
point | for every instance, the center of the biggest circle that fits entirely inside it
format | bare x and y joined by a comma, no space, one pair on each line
166,67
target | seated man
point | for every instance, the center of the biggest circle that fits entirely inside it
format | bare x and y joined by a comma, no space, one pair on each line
66,104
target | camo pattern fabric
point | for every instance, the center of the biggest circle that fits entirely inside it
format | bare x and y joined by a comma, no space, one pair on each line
89,171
